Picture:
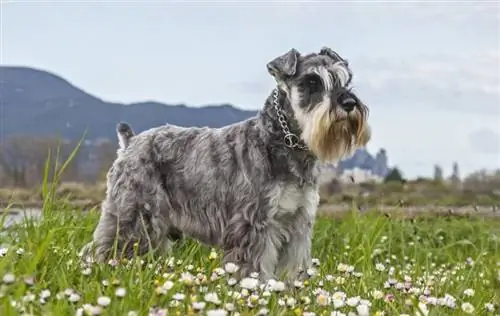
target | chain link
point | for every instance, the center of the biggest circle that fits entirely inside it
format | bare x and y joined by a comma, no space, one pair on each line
291,140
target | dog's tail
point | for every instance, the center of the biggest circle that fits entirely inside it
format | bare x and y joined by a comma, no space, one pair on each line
125,133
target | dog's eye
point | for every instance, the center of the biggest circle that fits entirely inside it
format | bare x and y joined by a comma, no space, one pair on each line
313,83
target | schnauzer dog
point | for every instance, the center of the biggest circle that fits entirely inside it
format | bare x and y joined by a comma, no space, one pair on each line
250,188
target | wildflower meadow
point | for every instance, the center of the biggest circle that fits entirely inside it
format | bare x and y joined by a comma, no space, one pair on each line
364,264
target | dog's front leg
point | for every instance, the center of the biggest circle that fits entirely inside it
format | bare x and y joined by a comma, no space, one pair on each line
296,254
251,246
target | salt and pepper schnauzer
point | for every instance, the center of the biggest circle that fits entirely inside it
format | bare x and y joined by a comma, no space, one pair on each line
250,188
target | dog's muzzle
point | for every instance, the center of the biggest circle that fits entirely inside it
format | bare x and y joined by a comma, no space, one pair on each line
346,102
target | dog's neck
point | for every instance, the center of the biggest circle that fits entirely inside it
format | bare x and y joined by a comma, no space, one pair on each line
295,160
270,118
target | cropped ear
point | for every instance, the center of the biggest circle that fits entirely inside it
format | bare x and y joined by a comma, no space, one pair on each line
327,51
284,65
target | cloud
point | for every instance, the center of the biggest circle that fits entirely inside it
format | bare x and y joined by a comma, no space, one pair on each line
469,72
458,12
485,141
448,82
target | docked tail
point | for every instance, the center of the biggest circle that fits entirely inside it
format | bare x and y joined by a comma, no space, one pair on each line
124,133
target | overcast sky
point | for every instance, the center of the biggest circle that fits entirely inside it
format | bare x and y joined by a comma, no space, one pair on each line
429,72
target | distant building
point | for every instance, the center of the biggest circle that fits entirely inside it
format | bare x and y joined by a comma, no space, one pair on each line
358,175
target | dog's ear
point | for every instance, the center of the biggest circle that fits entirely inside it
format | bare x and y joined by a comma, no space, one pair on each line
284,65
327,51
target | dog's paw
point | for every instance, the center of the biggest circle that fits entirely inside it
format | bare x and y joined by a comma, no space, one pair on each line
86,254
306,274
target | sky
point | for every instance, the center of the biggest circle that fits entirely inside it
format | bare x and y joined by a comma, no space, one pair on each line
429,72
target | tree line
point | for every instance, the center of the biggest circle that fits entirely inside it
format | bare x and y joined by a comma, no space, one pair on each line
24,158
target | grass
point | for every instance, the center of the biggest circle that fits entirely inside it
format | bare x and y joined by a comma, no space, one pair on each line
364,264
394,266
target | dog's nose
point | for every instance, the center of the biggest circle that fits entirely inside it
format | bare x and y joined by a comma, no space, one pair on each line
348,104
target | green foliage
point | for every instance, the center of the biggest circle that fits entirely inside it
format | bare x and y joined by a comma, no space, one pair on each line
394,176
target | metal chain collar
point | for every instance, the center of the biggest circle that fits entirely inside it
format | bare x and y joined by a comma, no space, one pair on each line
291,140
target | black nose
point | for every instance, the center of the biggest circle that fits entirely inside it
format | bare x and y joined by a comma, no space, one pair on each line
348,104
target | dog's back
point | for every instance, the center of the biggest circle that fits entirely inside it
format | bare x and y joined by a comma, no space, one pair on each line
183,167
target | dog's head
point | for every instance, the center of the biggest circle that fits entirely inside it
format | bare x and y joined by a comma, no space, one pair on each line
332,119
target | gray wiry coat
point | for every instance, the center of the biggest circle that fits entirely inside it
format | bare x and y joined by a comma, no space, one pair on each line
237,187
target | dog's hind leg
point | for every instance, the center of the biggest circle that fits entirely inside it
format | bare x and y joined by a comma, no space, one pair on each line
122,236
124,133
131,220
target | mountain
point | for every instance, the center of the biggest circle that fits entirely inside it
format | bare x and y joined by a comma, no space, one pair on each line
40,103
37,102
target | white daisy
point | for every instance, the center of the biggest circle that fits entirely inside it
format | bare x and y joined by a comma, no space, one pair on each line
249,283
467,308
103,301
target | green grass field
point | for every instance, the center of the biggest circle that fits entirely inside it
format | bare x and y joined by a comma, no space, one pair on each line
365,265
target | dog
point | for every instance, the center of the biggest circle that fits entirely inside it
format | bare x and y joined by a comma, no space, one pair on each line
250,188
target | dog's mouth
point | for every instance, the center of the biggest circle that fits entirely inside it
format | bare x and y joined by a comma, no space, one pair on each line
353,122
356,113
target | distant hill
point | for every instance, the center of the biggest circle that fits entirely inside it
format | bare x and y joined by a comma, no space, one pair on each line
37,102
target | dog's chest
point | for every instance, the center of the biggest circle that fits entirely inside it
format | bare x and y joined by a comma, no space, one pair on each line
292,198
